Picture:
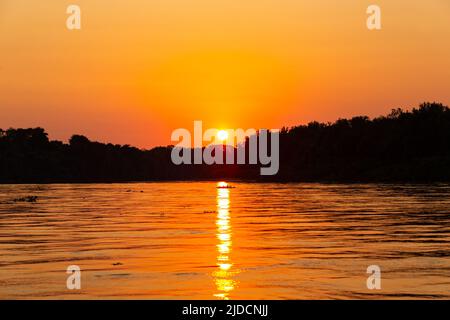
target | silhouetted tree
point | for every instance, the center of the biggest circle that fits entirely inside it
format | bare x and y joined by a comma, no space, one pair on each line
404,145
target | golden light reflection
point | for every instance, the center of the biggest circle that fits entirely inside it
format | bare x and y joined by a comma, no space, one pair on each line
223,276
222,184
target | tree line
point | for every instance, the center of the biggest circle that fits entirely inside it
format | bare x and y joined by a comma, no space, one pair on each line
401,146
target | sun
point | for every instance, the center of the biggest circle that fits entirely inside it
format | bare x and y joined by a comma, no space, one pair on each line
222,135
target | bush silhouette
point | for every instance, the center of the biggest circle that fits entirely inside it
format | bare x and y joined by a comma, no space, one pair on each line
402,146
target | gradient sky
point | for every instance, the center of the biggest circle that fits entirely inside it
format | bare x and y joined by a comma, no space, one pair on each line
139,69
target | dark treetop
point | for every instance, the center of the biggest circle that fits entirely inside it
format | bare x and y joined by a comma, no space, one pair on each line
402,146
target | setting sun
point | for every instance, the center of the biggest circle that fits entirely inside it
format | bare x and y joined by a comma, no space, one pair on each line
222,135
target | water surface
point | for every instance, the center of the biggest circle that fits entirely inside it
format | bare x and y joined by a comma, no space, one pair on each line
194,241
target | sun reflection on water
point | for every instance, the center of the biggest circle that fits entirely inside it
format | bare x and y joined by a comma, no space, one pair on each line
223,275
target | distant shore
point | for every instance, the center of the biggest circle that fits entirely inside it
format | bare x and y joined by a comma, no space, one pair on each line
402,147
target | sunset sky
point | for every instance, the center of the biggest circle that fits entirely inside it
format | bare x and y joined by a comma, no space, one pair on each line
139,69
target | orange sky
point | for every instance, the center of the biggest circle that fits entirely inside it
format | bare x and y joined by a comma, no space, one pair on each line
139,69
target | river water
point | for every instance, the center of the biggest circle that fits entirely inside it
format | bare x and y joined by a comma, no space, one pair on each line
192,240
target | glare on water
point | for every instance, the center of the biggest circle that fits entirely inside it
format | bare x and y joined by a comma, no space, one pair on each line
224,275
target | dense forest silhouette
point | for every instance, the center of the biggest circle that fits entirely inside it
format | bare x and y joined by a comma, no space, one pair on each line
402,146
